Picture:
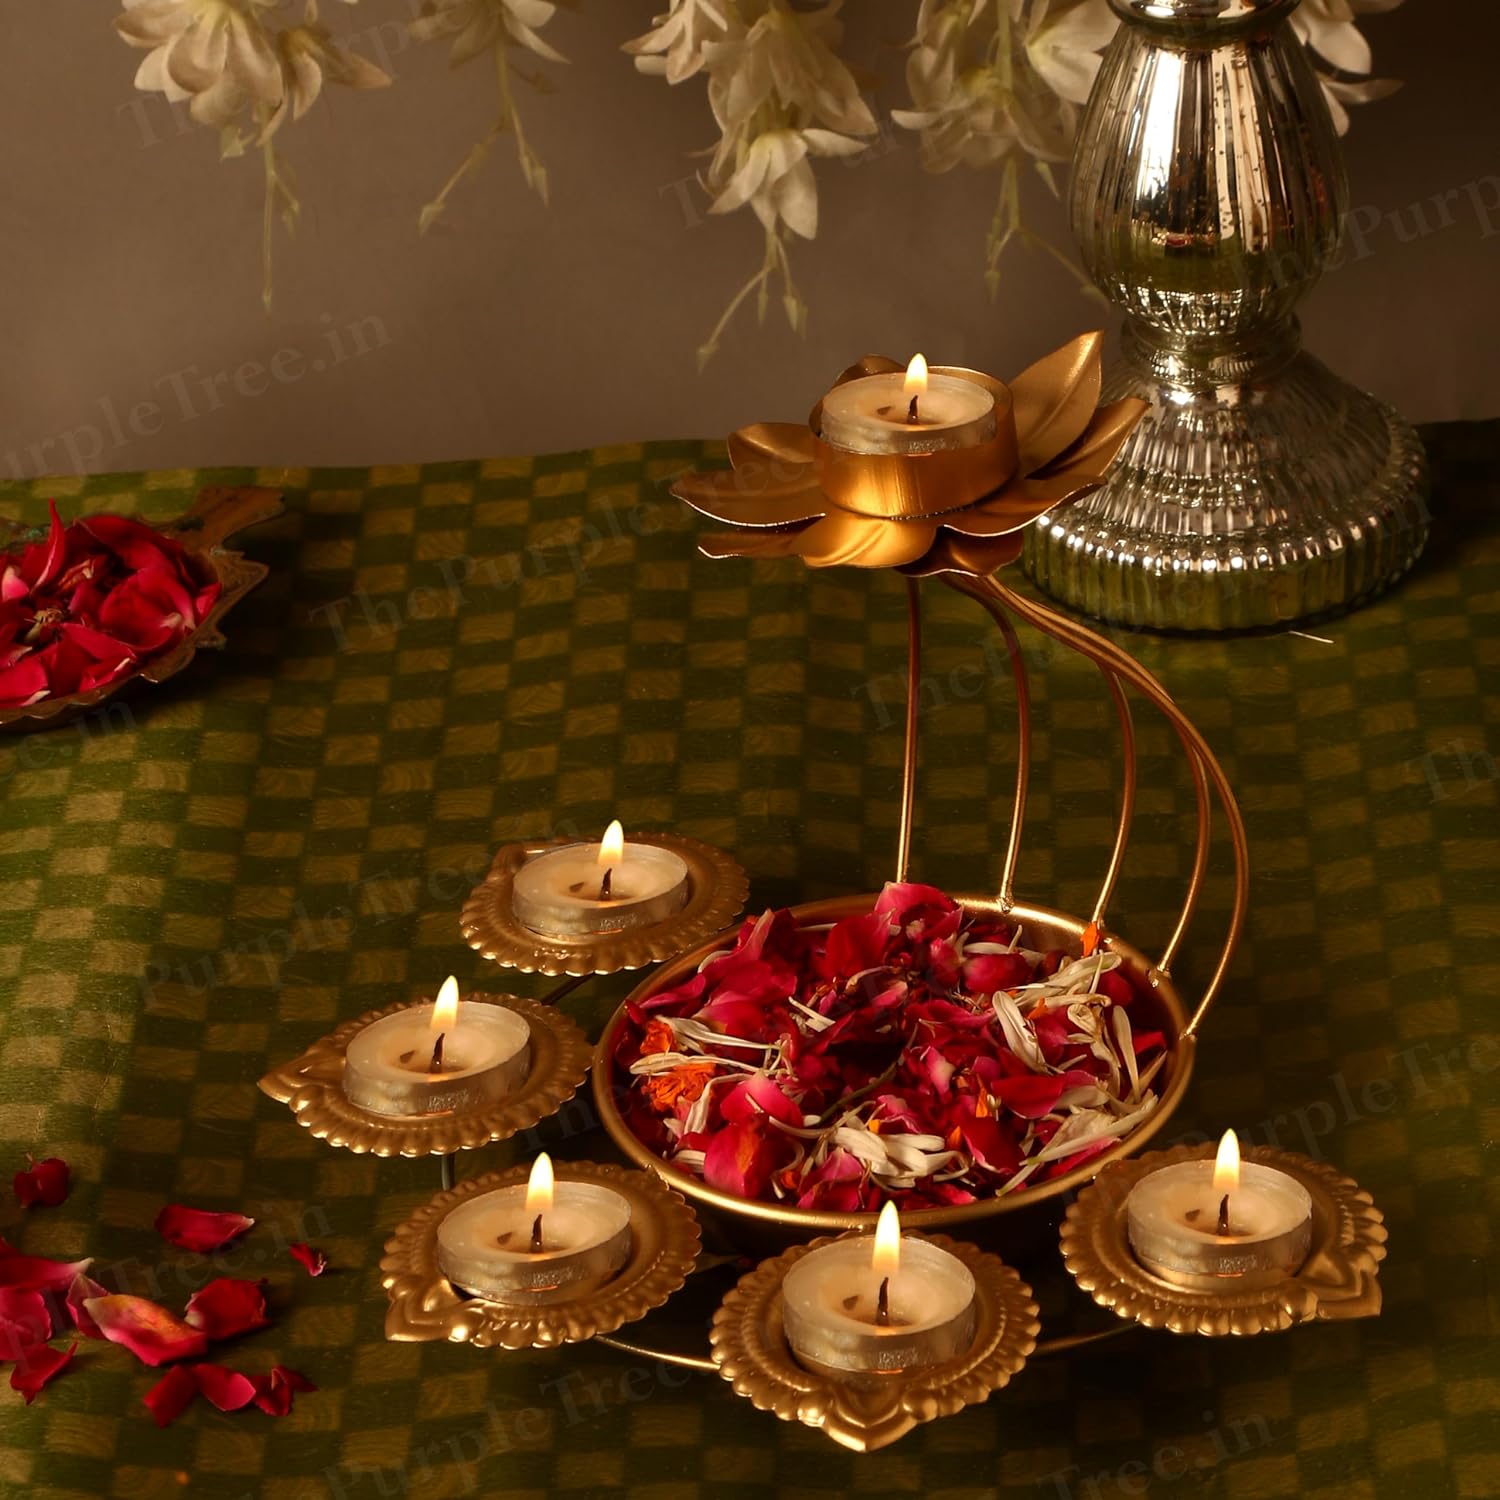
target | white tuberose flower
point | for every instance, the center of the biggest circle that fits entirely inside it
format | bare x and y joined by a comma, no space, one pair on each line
477,25
218,53
989,77
673,48
1340,54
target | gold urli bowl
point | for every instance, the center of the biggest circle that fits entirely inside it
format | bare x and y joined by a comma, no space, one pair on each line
1042,929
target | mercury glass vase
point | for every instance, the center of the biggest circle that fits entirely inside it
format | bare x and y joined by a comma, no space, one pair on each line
1207,196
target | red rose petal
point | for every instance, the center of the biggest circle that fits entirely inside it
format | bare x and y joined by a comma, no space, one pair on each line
172,1395
24,1321
43,1183
199,1230
228,1306
37,1274
149,1331
82,1289
23,682
274,1392
314,1262
227,1389
37,1367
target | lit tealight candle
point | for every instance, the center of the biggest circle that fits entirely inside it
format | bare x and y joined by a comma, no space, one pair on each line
1198,1223
912,413
856,1309
584,890
545,1241
438,1058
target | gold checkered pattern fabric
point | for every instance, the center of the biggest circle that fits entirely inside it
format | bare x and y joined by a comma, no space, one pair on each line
447,657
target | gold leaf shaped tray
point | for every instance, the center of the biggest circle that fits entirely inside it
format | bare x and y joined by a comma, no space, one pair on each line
425,1305
312,1086
215,515
1338,1279
750,1348
717,887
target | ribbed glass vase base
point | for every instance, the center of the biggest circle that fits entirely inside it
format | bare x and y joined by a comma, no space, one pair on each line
1241,506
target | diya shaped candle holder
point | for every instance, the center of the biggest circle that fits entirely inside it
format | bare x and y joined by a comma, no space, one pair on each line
357,1107
871,1408
660,1248
1331,1276
591,935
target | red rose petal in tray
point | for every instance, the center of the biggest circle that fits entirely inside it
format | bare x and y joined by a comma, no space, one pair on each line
916,1053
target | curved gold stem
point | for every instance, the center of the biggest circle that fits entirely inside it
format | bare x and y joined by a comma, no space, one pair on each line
661,1356
1200,866
975,588
1127,794
913,710
708,1367
1206,769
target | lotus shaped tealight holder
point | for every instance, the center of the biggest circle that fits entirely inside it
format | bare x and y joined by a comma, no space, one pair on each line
1065,443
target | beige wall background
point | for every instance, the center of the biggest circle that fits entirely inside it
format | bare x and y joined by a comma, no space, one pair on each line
131,256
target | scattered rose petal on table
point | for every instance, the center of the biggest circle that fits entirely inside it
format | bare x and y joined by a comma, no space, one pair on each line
43,1183
198,1229
38,1274
80,1291
228,1306
274,1391
149,1331
37,1366
172,1395
227,1389
24,1321
314,1262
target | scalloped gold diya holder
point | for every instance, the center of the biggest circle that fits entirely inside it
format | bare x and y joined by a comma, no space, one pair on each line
313,1087
716,887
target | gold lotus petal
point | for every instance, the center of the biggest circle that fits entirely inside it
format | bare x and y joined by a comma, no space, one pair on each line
763,543
728,496
870,364
1055,398
788,443
1017,505
979,556
1095,449
863,541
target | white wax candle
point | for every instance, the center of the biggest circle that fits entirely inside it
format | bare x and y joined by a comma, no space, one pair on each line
1173,1217
873,413
560,892
831,1306
484,1245
486,1056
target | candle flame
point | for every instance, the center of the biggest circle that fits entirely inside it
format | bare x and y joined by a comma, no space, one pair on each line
612,845
1227,1164
445,1008
916,377
886,1260
539,1186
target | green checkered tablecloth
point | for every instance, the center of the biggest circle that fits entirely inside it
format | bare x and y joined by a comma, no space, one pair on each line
456,655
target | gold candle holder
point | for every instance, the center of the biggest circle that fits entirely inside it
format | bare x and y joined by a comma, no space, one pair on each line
716,891
1336,1279
425,1305
313,1086
871,1410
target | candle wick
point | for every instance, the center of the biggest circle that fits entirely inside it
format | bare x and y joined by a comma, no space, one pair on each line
911,411
1224,1214
604,884
536,1235
883,1303
437,1054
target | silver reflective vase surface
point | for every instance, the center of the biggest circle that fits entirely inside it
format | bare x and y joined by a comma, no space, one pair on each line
1207,196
